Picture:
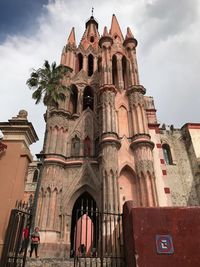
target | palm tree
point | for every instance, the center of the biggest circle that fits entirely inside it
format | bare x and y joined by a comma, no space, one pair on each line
47,83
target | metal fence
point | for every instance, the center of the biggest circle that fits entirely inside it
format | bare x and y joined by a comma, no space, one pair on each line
98,239
15,244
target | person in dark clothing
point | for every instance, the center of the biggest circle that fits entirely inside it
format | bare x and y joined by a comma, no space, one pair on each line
25,239
35,241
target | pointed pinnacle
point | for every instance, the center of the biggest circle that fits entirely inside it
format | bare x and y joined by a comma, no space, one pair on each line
129,33
71,38
105,31
115,28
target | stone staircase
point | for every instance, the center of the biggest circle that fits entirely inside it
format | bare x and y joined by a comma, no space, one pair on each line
82,262
49,262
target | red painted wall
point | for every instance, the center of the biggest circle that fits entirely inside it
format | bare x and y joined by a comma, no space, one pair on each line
13,167
141,225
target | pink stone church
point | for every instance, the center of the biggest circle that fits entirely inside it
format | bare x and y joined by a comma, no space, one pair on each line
103,146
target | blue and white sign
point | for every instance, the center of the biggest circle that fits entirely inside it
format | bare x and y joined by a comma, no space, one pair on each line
164,244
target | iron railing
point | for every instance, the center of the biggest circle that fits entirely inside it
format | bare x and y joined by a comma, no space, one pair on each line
98,239
15,247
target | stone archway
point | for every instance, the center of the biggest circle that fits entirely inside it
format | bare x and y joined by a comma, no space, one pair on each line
128,186
84,226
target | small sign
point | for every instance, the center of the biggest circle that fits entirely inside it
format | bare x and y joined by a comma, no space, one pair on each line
164,244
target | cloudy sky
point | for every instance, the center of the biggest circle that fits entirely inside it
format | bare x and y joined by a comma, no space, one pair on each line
168,51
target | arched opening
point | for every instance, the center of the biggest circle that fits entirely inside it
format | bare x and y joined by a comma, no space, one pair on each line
99,64
123,122
35,176
75,149
128,189
96,146
84,227
92,39
90,64
167,154
114,71
79,62
125,71
88,98
73,99
87,147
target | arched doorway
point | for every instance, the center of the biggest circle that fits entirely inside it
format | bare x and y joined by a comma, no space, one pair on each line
128,186
84,227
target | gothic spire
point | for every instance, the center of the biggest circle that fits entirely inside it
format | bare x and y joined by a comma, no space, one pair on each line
105,31
129,33
130,38
91,34
115,28
71,39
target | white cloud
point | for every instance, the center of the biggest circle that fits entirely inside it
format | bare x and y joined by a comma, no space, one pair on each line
167,54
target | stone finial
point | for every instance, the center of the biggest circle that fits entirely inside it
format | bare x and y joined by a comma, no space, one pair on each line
105,37
129,33
130,38
105,31
22,114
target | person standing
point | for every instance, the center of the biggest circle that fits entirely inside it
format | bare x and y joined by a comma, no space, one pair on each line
35,241
25,239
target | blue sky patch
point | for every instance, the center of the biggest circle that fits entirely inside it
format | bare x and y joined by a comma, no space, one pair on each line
18,16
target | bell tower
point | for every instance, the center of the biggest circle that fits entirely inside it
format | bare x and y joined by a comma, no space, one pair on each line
97,145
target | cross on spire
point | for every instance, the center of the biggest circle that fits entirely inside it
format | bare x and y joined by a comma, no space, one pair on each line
92,11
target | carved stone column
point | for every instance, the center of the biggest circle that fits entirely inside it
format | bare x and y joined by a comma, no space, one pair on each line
142,147
119,71
109,150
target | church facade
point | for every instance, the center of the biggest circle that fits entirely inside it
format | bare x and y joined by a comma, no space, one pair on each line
104,146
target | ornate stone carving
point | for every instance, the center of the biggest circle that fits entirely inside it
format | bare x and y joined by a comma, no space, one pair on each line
144,166
58,121
135,99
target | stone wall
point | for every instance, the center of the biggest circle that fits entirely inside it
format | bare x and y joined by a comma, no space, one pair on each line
141,225
179,173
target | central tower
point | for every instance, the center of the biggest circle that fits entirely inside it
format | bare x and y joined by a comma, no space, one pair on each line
97,145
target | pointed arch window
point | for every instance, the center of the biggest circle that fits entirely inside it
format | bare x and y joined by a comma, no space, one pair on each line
167,154
88,98
96,146
79,62
75,150
92,39
35,176
90,65
125,71
99,64
123,122
73,99
114,71
87,147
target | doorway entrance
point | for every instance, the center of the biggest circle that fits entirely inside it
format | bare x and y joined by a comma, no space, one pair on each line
84,227
96,237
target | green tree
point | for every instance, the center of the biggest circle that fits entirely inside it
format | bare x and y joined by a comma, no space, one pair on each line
47,84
